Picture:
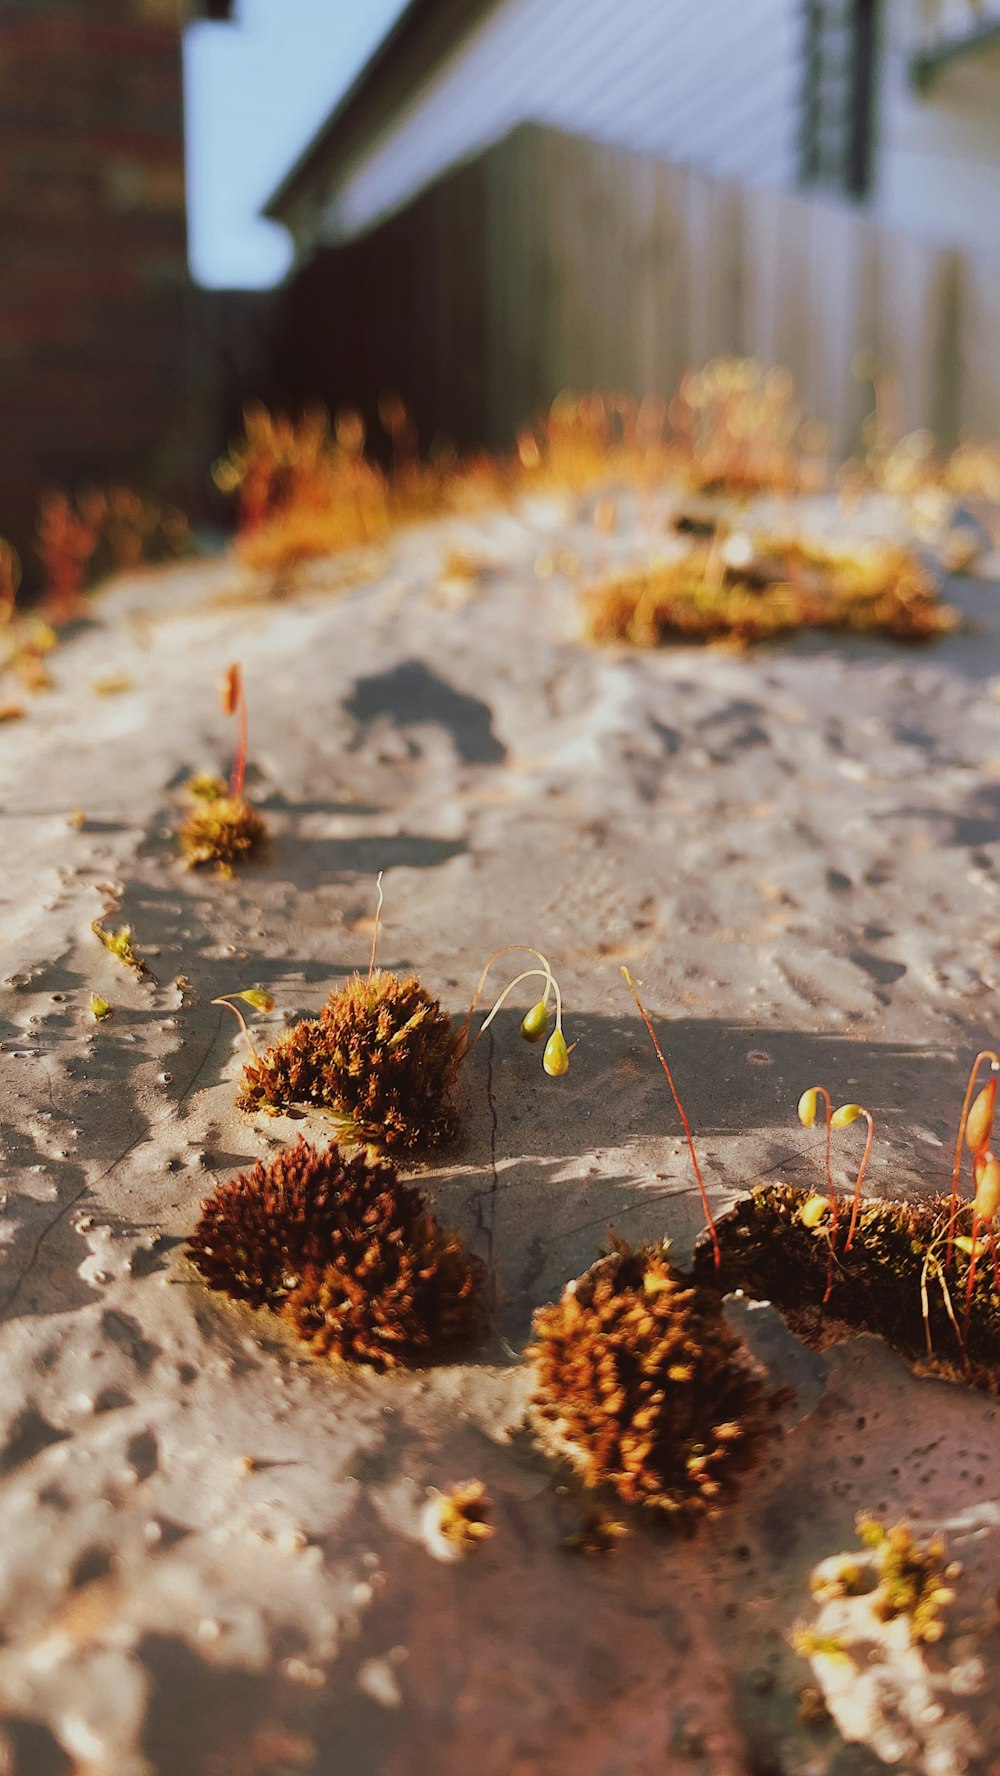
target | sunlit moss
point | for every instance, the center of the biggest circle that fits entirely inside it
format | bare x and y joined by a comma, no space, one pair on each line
640,1383
770,588
349,1255
222,832
892,1281
380,1059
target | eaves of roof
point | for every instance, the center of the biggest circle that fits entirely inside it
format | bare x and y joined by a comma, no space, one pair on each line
423,35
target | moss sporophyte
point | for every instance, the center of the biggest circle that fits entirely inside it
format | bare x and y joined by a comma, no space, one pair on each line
974,1129
535,1023
222,828
925,1276
661,1057
381,1059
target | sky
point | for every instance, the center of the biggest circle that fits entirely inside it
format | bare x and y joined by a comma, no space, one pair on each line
256,91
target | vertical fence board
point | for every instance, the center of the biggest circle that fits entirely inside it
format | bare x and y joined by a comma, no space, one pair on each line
917,303
554,262
978,402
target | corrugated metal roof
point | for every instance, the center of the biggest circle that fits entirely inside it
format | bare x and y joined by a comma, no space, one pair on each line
713,84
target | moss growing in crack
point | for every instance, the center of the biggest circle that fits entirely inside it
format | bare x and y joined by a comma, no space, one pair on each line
345,1252
892,1281
380,1059
643,1387
120,945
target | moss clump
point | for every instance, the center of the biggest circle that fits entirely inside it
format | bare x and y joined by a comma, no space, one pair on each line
204,786
641,1384
380,1059
221,830
350,1256
599,1533
780,586
463,1516
120,945
914,1578
895,1264
897,1575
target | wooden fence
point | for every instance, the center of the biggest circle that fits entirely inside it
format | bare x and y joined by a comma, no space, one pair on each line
554,262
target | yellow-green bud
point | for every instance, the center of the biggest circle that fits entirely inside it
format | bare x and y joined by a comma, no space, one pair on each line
813,1210
845,1115
535,1022
259,1000
987,1188
555,1060
807,1107
977,1129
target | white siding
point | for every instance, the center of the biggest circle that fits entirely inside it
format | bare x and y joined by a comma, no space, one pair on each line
937,154
700,82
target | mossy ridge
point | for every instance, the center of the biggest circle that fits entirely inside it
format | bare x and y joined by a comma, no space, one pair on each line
895,1262
642,1386
785,585
349,1255
381,1059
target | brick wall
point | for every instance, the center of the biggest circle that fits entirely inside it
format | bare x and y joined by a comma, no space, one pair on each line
94,295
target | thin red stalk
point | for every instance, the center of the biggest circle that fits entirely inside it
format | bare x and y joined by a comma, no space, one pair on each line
985,1054
239,771
834,1205
661,1057
866,1156
996,1264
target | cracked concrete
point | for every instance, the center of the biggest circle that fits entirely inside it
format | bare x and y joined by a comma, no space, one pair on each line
214,1559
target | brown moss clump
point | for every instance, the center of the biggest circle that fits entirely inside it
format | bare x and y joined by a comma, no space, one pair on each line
643,1387
349,1255
224,831
381,1059
781,586
892,1282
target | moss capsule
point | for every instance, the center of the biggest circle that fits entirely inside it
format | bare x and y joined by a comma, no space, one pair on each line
980,1123
535,1022
813,1210
987,1187
555,1060
807,1107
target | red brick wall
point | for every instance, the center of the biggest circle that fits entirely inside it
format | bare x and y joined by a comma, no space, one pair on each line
93,277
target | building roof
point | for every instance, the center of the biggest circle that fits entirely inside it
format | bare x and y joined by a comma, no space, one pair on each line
408,54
